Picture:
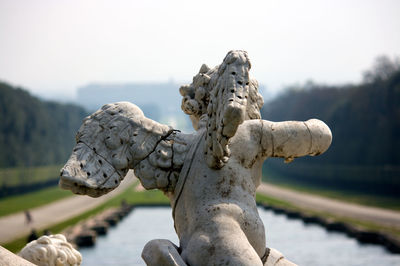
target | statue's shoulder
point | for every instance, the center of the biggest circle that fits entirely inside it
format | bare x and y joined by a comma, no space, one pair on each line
246,145
253,124
249,130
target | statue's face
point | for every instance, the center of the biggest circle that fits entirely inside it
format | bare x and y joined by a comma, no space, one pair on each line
235,96
237,76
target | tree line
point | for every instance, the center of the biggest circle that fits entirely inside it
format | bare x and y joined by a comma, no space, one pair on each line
34,132
365,124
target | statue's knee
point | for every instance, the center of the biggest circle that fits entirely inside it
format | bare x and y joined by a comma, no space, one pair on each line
161,252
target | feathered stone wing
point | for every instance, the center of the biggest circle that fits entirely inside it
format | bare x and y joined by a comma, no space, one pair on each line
116,138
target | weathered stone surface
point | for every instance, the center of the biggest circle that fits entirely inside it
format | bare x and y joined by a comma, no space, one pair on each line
275,258
162,252
9,258
210,176
53,250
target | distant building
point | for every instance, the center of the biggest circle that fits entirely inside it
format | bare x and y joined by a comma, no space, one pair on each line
159,101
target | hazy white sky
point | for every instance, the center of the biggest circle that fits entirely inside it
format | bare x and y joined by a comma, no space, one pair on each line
52,47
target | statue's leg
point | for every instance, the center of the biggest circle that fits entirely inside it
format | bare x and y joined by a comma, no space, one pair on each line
162,252
228,248
274,258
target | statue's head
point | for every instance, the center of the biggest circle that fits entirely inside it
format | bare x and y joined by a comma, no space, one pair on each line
227,96
53,250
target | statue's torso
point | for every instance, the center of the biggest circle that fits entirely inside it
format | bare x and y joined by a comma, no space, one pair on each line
216,202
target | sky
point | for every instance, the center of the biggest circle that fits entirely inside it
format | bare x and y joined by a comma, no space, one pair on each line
53,47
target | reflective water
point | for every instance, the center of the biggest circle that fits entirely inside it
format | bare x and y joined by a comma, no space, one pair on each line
303,244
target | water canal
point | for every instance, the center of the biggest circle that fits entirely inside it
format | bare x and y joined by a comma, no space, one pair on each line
303,244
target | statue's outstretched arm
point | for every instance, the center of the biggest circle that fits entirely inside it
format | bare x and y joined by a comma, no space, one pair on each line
291,139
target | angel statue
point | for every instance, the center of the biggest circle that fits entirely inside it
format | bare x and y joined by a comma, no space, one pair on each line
210,176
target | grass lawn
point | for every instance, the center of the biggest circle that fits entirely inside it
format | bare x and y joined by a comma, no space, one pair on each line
131,197
365,225
28,175
31,200
386,202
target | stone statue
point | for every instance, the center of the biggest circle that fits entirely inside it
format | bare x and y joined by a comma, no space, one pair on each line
210,176
52,250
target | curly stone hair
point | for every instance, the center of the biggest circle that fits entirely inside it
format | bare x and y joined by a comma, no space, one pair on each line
53,250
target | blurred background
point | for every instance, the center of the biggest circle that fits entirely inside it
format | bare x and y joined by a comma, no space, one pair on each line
337,61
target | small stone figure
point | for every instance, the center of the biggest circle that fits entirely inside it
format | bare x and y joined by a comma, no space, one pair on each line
32,236
52,250
124,204
210,176
46,232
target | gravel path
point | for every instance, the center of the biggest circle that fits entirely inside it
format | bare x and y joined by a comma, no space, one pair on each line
339,208
13,226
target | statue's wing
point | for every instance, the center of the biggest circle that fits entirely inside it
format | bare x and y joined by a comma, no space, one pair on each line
116,138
